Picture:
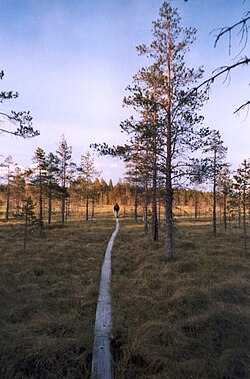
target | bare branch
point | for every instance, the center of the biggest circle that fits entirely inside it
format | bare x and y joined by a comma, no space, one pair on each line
6,131
243,106
243,31
220,71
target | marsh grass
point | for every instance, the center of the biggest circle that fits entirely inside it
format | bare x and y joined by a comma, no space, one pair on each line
185,318
48,296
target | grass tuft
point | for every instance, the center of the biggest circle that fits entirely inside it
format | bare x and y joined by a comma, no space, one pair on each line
188,317
184,318
48,297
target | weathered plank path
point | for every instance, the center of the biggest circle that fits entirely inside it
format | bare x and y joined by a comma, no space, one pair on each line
102,360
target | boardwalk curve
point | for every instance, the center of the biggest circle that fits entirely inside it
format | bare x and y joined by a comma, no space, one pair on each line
101,360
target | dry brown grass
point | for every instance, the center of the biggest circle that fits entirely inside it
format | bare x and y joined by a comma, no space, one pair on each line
48,297
185,318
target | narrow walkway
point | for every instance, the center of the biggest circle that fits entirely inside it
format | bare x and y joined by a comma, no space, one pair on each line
101,360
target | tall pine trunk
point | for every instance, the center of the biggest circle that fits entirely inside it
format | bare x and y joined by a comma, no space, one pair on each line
7,201
169,245
40,203
214,196
154,185
159,213
63,208
87,208
225,210
244,218
93,209
49,205
136,203
145,208
196,204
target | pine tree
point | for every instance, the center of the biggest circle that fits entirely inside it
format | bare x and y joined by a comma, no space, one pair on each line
9,164
29,216
39,179
162,89
18,191
87,173
145,138
66,170
242,183
53,172
169,126
225,187
104,190
214,145
95,192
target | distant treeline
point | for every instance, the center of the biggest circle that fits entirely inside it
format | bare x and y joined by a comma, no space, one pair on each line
81,199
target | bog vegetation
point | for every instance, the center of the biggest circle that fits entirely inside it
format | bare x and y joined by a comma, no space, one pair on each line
48,298
184,317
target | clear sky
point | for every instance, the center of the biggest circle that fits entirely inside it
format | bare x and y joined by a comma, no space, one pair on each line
70,61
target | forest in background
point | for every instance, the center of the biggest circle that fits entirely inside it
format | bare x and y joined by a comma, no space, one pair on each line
57,190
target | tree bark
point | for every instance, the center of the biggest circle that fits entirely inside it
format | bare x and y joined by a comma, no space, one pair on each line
145,207
154,186
136,204
49,205
40,202
93,209
87,208
214,195
196,204
7,200
169,246
244,218
225,211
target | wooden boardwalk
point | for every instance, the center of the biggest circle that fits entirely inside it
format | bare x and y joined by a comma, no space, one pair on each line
102,359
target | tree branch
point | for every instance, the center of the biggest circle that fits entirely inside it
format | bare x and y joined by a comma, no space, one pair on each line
221,71
23,122
244,31
243,106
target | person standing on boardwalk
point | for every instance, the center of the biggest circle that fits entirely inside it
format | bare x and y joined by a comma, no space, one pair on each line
116,209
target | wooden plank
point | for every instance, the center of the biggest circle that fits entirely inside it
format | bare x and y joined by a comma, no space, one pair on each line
102,360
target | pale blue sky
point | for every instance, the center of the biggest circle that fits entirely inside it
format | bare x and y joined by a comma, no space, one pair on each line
70,61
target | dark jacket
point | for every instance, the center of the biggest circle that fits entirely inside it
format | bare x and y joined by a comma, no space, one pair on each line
116,207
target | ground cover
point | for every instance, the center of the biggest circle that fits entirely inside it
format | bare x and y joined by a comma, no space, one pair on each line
48,296
185,318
